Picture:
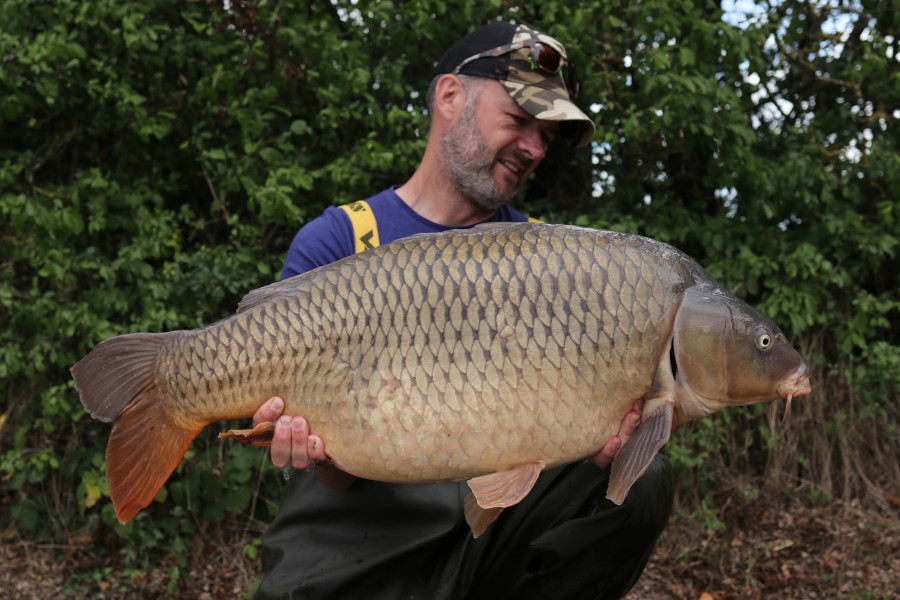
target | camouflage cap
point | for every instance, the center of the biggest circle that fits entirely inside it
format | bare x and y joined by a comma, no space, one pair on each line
503,51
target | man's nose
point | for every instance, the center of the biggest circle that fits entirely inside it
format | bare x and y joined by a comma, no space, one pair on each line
532,143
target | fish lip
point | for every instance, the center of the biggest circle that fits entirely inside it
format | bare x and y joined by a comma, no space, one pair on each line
796,384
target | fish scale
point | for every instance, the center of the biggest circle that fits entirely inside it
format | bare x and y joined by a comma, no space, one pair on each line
465,355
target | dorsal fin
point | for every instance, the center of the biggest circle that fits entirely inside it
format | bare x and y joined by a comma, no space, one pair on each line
480,227
261,295
498,225
292,285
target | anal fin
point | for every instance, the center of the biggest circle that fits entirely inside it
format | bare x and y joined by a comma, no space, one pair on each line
260,435
636,455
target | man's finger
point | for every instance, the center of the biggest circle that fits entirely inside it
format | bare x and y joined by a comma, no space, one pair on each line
299,453
316,449
269,411
608,452
630,423
281,442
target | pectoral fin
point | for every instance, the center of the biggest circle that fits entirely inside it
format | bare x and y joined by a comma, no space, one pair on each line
635,456
260,435
493,492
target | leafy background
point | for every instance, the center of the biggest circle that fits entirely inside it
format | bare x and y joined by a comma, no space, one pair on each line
157,156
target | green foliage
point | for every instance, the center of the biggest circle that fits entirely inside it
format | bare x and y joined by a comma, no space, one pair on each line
157,157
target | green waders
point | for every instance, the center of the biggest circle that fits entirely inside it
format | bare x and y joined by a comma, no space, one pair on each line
386,541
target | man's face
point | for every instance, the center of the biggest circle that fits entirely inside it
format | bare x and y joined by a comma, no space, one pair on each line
494,146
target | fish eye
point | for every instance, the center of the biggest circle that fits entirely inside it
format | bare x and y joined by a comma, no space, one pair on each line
763,338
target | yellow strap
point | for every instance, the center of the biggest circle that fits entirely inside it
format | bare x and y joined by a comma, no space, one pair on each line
362,220
365,229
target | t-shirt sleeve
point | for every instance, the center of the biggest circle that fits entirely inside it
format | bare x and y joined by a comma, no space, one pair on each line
325,239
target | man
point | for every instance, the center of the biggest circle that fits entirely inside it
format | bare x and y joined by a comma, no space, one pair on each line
499,96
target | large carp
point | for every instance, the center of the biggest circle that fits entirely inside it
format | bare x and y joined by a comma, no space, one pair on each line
487,354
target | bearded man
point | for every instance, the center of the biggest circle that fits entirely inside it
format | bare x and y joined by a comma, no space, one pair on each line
499,96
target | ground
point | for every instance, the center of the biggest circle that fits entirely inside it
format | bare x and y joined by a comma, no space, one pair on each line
747,552
801,552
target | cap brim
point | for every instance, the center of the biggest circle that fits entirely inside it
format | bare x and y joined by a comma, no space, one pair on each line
552,103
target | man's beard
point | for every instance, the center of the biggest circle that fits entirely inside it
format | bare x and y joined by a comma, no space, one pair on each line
471,163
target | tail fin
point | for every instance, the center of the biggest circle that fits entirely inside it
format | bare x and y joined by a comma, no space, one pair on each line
119,382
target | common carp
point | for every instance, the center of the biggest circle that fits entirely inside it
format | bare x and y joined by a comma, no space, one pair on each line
486,354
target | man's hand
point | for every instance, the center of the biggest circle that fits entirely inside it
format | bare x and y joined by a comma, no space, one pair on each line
629,425
293,445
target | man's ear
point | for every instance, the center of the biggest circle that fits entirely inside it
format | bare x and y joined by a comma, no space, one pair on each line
449,98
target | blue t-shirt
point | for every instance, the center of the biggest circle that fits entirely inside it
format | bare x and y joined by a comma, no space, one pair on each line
329,237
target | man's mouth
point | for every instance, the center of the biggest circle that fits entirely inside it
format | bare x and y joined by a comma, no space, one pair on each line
511,166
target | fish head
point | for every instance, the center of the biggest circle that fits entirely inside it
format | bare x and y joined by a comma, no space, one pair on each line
725,353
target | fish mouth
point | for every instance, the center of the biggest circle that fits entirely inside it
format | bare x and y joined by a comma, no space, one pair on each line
793,386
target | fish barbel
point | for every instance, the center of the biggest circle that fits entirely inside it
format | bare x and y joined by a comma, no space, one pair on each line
486,354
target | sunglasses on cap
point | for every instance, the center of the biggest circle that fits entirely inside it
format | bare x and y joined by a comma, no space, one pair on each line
544,58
